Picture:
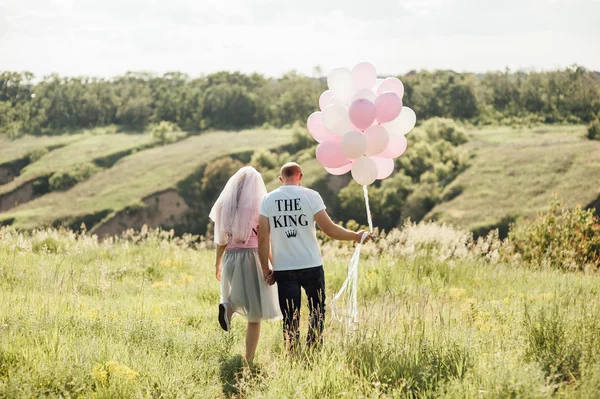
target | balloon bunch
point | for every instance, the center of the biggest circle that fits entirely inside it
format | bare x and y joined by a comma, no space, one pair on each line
361,125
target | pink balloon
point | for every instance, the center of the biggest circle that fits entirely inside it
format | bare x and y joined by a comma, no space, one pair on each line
364,76
316,128
391,84
362,113
330,155
339,171
396,147
385,167
388,106
324,99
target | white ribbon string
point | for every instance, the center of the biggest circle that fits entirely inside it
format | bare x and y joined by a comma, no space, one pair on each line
369,219
350,285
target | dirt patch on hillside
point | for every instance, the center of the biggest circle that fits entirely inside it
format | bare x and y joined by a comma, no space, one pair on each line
163,209
20,195
6,174
10,170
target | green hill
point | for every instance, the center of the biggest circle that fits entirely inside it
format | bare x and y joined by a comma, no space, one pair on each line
512,174
101,149
12,150
138,176
515,172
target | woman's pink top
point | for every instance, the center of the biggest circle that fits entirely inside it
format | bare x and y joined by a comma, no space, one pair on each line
251,244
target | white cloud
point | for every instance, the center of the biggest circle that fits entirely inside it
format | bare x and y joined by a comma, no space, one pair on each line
109,37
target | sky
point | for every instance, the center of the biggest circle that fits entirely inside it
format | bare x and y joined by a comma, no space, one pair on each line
110,37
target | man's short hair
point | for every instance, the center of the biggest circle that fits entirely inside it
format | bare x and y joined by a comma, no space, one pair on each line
290,169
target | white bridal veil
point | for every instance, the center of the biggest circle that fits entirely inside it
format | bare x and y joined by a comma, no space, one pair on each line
235,213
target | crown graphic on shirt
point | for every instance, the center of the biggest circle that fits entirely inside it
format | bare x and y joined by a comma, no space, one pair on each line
291,233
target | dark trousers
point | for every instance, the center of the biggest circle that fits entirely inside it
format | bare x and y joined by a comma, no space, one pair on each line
288,287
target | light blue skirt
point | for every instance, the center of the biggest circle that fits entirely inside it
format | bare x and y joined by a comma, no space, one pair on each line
243,285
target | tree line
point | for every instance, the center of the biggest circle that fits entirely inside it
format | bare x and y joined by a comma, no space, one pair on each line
233,100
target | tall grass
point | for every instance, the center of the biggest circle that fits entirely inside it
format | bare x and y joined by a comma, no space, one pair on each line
135,316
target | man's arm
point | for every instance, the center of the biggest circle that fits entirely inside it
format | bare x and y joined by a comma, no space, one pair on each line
335,231
264,244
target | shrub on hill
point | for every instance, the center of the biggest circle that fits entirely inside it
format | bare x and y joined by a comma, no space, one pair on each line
560,238
164,132
66,178
35,155
593,131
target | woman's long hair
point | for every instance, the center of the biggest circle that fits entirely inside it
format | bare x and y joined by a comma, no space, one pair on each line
235,213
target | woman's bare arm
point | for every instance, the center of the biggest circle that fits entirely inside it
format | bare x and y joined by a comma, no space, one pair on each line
218,261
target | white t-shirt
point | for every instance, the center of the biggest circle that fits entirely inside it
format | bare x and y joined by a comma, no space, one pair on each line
291,211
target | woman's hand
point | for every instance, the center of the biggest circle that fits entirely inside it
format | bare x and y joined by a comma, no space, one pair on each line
218,272
268,275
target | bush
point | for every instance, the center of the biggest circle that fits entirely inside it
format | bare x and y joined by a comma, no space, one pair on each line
164,132
565,239
67,178
216,176
445,129
593,131
35,155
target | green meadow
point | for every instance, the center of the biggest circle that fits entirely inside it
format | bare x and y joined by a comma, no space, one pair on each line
440,316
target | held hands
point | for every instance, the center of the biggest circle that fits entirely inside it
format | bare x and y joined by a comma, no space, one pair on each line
360,234
269,275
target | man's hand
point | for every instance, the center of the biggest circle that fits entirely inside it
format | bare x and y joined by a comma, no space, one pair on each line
218,272
360,234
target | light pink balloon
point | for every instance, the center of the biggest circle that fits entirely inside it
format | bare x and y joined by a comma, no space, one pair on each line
362,113
330,155
395,148
339,171
316,128
391,84
324,99
385,167
377,139
388,106
364,76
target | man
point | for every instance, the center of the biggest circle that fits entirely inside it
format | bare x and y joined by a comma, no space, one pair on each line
287,226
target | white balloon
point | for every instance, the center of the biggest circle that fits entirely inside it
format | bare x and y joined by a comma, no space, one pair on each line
378,82
335,100
364,171
377,140
354,144
403,124
364,93
335,119
341,84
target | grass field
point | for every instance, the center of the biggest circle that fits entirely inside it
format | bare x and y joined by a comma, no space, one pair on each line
11,150
137,318
140,174
516,172
88,148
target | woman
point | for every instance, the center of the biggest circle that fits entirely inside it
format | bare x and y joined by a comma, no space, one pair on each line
243,289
